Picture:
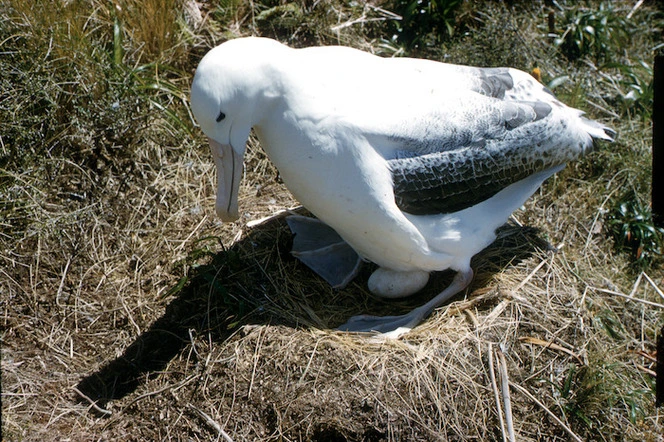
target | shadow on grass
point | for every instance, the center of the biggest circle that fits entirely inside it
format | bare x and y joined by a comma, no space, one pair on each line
258,282
189,313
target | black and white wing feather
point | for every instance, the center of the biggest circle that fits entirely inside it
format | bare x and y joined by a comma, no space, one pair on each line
509,128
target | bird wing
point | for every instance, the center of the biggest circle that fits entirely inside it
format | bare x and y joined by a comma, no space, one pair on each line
471,160
476,132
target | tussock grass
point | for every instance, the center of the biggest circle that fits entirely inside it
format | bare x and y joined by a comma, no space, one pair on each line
119,286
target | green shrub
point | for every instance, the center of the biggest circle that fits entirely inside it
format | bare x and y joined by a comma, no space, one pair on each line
424,22
595,33
631,226
636,88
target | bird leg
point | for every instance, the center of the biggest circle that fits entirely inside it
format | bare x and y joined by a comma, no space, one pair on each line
395,326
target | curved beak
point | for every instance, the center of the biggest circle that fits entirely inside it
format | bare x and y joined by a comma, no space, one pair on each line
229,173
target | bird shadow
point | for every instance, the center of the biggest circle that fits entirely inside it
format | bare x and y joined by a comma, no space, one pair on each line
257,281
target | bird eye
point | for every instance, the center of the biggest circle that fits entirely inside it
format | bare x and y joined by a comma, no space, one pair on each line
221,116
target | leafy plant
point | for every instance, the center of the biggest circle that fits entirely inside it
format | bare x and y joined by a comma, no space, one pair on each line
593,32
280,20
425,22
631,226
635,89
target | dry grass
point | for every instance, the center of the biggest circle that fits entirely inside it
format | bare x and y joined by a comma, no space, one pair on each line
119,286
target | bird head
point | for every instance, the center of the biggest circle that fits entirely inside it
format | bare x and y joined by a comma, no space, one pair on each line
226,97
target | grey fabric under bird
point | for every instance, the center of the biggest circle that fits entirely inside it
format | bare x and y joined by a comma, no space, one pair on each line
411,164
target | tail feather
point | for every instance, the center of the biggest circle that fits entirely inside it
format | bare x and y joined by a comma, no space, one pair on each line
598,131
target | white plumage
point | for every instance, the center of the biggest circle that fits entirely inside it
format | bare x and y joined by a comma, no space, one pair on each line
413,163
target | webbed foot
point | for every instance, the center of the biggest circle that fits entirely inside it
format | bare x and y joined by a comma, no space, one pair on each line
387,326
321,249
395,326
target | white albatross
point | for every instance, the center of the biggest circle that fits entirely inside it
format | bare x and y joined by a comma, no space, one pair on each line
413,163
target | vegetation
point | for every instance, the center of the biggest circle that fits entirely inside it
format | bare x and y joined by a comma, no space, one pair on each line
633,230
424,23
129,312
595,31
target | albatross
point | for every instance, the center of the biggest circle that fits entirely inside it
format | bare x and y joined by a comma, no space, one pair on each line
411,164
